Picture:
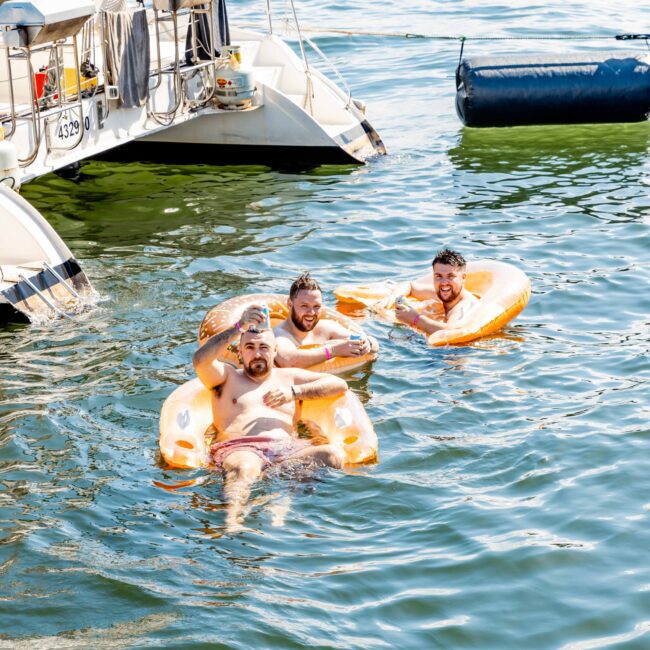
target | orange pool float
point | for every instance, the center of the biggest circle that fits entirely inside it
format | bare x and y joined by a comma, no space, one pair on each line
227,313
503,291
186,426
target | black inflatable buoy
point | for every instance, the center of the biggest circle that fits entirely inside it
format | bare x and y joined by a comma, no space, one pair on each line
571,89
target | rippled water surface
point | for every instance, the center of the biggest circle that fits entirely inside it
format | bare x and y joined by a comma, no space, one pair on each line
510,504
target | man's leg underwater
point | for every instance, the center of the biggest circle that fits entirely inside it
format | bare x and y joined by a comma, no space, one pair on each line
241,469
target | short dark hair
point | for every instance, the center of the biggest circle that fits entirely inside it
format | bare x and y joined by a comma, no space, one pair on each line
304,282
254,330
447,256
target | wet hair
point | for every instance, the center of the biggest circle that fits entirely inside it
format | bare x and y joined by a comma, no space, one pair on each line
447,256
304,282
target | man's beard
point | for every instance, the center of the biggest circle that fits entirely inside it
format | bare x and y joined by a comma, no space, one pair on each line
300,325
257,368
450,297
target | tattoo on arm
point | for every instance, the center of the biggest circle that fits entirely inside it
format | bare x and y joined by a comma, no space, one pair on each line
321,387
214,344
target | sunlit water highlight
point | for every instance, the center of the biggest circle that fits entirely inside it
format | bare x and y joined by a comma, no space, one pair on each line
509,507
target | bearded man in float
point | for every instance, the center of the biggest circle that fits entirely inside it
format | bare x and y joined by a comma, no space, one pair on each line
304,327
254,409
447,284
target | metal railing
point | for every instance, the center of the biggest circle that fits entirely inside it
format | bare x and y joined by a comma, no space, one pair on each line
302,39
181,74
43,109
43,297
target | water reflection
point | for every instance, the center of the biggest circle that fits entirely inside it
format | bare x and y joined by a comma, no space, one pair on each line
552,170
552,149
175,202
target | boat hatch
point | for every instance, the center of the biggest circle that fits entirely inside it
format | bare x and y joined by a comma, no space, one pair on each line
44,21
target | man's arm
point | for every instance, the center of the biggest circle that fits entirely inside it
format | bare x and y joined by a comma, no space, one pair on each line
306,385
290,356
420,289
400,289
339,345
410,316
340,348
208,368
314,385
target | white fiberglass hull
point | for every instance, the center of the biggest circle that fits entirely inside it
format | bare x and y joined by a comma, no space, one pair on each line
39,277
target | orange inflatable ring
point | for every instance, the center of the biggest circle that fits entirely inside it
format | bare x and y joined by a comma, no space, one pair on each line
186,423
503,291
227,313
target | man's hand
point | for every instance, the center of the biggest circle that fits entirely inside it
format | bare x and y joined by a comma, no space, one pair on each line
405,314
252,315
278,397
347,348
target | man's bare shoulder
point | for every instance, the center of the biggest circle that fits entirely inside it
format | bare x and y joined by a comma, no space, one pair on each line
283,335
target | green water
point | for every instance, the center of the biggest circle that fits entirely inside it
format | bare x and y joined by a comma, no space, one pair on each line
509,507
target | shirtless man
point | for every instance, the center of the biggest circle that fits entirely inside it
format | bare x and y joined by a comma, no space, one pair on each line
305,327
254,409
447,285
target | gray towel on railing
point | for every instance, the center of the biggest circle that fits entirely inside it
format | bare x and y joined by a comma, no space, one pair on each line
128,55
221,37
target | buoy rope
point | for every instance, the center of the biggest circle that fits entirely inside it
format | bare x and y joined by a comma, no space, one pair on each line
459,37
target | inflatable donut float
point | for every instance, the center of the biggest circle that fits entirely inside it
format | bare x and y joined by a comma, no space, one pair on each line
186,426
227,313
503,291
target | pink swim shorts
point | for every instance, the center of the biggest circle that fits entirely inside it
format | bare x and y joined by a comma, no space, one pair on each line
270,450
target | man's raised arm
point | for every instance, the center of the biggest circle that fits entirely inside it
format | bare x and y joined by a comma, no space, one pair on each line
208,368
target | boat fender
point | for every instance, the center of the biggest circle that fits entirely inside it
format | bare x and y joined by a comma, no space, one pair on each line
580,88
9,168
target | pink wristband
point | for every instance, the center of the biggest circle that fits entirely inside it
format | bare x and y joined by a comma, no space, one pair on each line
415,320
238,325
328,352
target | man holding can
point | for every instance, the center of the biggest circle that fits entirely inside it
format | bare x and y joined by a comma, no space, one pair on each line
446,283
304,327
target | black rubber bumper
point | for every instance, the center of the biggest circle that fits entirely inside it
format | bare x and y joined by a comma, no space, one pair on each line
572,89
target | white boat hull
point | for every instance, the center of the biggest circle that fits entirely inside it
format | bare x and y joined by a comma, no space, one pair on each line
39,277
288,121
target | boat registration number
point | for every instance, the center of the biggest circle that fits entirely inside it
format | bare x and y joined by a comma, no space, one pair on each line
66,128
